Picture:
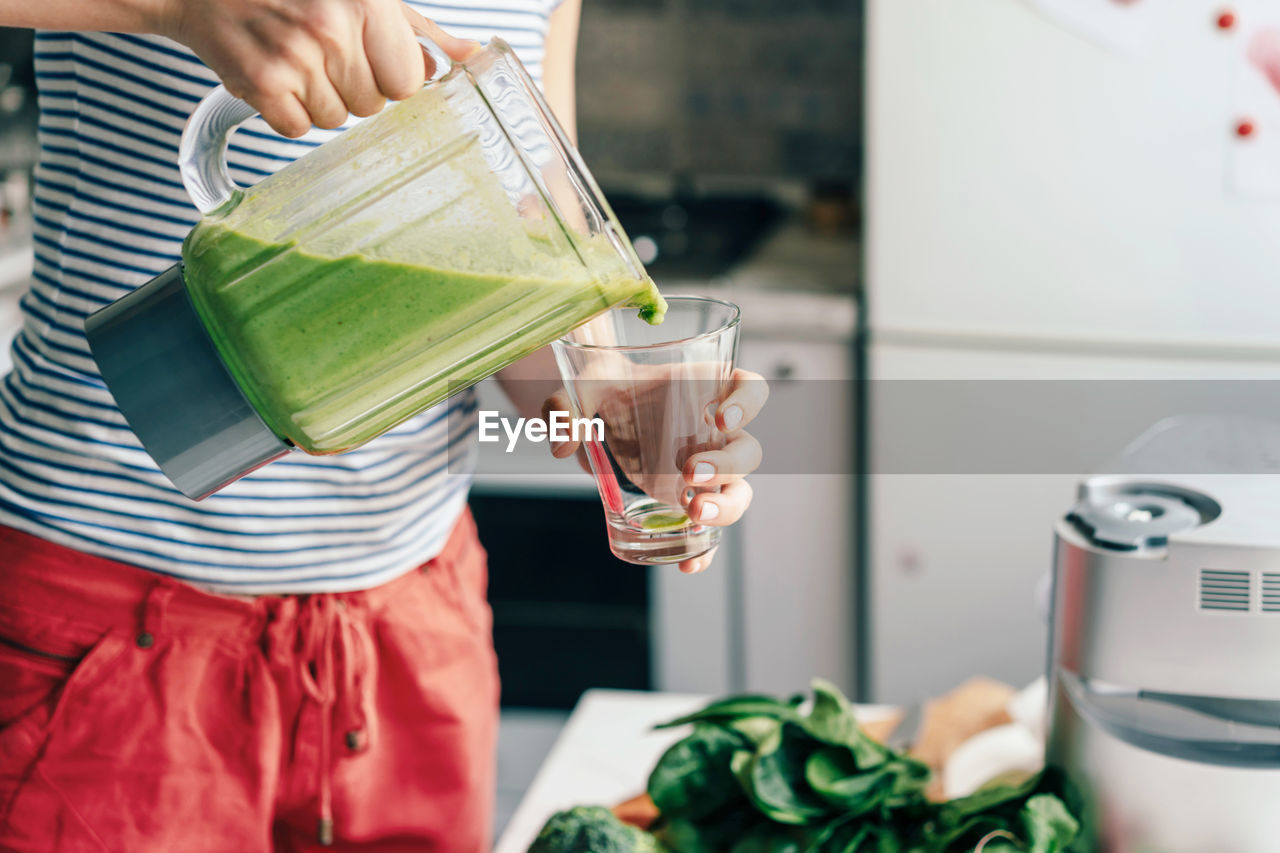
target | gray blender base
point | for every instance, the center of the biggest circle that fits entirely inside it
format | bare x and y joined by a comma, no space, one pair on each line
174,390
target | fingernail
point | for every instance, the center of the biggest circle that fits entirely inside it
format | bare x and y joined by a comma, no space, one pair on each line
702,472
732,416
709,511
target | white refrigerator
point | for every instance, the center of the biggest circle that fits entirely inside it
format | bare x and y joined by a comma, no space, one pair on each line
1055,190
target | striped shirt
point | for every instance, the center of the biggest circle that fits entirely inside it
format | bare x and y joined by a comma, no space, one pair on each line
111,213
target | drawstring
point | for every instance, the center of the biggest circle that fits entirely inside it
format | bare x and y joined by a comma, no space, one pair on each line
315,669
331,664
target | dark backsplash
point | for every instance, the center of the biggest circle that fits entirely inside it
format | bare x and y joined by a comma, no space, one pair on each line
721,87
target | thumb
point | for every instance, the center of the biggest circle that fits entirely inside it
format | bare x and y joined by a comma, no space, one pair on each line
457,49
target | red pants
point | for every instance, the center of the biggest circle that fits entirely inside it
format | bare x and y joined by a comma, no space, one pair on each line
140,714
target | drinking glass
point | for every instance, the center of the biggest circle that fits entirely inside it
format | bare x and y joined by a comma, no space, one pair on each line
651,394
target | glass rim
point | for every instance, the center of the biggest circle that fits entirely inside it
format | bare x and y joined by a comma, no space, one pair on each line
734,317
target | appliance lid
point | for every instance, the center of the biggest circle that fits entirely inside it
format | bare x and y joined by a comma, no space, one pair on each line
1130,515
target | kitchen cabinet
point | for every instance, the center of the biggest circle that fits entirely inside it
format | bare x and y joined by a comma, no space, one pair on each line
796,562
778,606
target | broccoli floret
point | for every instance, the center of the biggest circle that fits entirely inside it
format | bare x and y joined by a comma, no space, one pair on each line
592,829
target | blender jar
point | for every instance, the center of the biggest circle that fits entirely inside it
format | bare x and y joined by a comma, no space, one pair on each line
419,252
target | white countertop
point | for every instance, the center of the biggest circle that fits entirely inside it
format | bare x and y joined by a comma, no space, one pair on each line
604,755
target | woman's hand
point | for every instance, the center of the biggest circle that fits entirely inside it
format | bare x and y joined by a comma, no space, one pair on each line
310,62
726,467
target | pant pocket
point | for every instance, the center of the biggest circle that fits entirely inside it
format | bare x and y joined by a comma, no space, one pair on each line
39,658
50,681
28,677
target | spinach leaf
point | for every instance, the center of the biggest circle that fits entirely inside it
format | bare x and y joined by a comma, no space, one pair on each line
990,796
910,779
768,839
774,776
831,721
967,834
737,706
1038,822
694,778
879,840
833,775
685,836
755,728
714,833
835,835
1049,826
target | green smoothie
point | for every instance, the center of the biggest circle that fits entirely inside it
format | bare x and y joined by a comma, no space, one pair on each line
333,351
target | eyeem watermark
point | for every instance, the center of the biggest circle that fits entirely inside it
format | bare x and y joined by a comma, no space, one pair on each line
560,427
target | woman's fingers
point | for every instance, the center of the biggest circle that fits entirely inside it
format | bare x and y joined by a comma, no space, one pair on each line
393,56
314,62
697,564
722,508
750,391
736,460
285,113
324,42
456,48
327,107
350,66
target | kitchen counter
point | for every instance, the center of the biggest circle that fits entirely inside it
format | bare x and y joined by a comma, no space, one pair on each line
604,755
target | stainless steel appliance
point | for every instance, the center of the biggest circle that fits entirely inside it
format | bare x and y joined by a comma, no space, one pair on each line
1164,663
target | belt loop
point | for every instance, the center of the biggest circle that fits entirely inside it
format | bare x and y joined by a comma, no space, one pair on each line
153,608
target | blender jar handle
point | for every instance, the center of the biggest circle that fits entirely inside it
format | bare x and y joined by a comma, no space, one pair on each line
202,154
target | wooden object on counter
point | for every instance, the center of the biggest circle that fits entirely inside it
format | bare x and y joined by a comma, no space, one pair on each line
975,706
882,729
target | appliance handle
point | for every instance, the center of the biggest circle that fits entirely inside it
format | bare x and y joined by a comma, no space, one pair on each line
202,153
1210,730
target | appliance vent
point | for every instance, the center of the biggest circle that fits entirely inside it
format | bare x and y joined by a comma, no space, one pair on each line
1271,592
1225,590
